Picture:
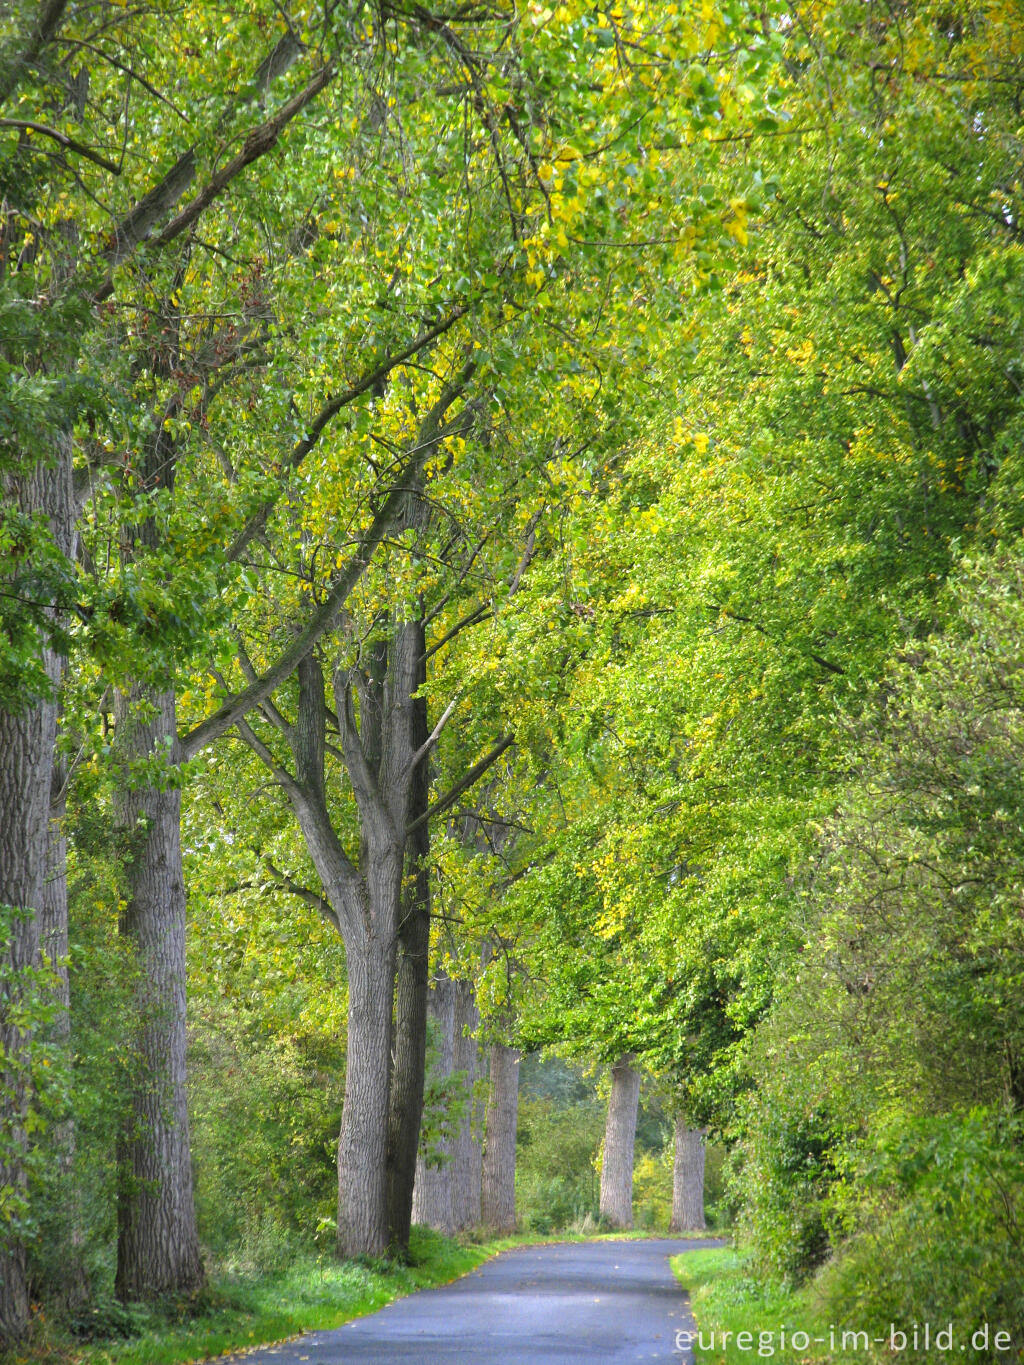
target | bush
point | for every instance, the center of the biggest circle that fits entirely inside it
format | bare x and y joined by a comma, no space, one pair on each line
652,1189
784,1178
936,1206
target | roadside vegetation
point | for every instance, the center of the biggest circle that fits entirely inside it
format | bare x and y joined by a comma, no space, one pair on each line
727,1302
239,1307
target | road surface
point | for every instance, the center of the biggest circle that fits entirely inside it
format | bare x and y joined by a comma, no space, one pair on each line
613,1303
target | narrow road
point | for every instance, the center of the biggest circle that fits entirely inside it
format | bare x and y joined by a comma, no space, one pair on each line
606,1302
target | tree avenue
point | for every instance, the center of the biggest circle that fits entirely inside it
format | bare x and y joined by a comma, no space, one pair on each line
498,504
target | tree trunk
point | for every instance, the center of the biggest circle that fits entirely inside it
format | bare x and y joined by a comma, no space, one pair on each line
413,977
498,1191
408,1074
26,753
363,1141
467,1161
74,1288
687,1178
620,1132
432,1202
158,1244
26,767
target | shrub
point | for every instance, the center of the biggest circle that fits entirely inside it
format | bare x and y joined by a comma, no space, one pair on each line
784,1180
936,1206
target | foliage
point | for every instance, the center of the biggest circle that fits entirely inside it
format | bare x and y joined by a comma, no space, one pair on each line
934,1205
33,1081
889,1105
259,1201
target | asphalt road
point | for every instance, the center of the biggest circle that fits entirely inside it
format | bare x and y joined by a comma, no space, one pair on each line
614,1302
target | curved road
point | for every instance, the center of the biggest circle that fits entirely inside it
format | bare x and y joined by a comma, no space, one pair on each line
614,1302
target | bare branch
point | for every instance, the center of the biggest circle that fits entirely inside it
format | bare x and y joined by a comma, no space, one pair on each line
69,143
435,734
528,553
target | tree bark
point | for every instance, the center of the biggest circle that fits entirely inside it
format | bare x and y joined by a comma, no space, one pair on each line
408,1073
379,754
432,1201
411,992
498,1191
363,1141
467,1160
158,1243
74,1288
26,769
687,1178
616,1204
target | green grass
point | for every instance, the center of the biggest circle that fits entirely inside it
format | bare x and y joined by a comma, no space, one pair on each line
238,1311
726,1302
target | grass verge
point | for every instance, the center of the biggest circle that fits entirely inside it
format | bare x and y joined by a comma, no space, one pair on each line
740,1320
236,1312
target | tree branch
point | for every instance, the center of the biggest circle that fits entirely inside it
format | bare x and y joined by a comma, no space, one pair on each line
528,552
334,405
464,783
259,141
267,707
749,621
280,774
360,770
137,225
482,612
431,433
68,143
303,893
434,735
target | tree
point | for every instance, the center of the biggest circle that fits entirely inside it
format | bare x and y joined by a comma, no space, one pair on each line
498,1193
467,1158
510,323
620,1130
434,1195
687,1177
888,1068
